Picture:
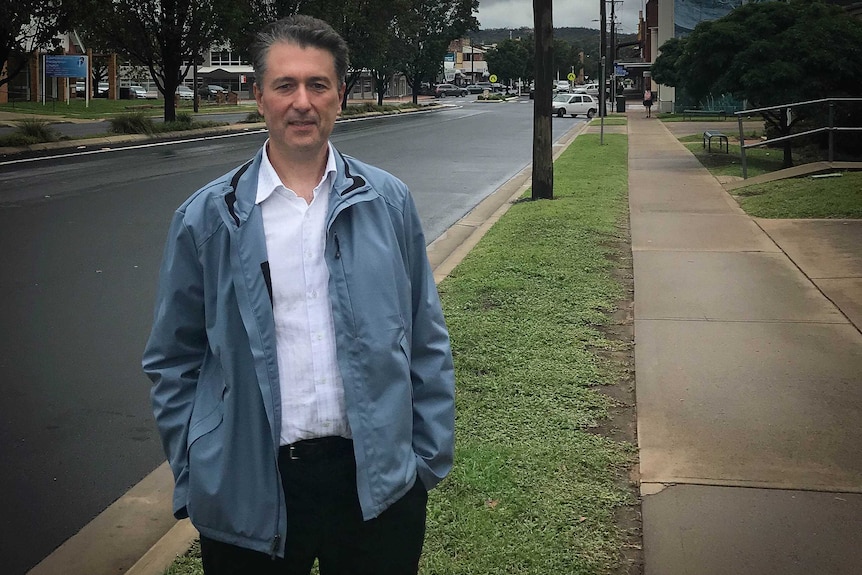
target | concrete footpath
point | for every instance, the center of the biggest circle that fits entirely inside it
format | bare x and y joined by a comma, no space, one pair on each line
748,363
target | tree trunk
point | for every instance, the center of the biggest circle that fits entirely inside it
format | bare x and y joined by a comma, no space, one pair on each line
543,163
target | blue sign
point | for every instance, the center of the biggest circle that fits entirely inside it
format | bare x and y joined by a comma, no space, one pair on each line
620,71
450,57
66,66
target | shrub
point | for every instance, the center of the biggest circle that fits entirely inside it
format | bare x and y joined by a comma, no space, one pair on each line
253,117
17,140
132,123
184,118
37,129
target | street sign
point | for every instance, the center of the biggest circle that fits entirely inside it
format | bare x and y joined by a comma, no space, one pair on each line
571,76
493,78
620,71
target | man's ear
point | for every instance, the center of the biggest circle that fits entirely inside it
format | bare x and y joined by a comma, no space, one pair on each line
258,94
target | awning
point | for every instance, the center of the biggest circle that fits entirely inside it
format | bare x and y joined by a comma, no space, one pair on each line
225,72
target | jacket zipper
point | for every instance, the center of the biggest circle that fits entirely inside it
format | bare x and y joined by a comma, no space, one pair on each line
337,246
274,549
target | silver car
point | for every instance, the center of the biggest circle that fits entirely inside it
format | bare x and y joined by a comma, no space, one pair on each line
574,105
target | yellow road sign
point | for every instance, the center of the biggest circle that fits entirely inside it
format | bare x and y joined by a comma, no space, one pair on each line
493,78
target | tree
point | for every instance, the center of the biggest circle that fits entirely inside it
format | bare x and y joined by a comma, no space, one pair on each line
166,36
426,29
769,53
511,59
26,26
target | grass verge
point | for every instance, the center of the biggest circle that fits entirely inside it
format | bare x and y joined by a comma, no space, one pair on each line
536,488
833,197
534,491
610,121
758,160
101,108
804,197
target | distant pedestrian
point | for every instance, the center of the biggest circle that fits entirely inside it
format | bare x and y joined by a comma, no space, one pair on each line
648,102
302,375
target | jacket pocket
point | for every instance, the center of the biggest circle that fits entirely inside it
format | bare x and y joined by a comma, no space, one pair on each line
206,424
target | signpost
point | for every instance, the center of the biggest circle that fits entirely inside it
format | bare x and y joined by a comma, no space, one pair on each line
67,67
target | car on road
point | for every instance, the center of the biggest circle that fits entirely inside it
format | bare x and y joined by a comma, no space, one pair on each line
185,93
480,87
562,86
574,105
211,91
101,90
443,90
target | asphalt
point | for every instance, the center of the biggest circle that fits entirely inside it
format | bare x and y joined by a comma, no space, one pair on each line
748,368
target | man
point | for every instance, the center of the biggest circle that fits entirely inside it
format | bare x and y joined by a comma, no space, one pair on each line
303,379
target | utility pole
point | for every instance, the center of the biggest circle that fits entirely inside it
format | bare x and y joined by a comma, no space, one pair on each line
603,16
543,161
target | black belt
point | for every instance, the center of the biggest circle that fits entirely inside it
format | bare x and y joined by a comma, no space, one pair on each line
316,449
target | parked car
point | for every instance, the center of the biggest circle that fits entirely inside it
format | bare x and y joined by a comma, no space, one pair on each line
474,89
574,105
211,91
562,86
102,90
425,89
482,86
592,89
138,92
444,90
185,93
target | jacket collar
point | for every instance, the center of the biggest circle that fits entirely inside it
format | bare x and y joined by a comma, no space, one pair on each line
241,186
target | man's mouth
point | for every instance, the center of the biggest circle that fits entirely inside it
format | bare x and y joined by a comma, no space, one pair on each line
301,123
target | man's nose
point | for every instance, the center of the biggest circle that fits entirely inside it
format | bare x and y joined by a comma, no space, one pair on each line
302,100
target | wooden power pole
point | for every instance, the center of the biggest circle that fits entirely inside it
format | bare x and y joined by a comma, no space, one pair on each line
543,161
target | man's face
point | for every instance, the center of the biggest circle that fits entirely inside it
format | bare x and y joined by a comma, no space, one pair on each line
299,97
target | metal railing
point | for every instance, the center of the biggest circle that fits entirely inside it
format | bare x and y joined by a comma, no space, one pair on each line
784,108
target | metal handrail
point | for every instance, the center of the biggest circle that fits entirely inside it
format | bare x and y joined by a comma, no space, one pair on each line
831,128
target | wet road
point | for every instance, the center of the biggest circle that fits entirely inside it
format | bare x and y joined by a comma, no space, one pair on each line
81,241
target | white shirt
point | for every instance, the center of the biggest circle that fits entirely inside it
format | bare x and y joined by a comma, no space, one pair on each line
312,394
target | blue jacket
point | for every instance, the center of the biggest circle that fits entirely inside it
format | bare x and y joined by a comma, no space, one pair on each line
212,353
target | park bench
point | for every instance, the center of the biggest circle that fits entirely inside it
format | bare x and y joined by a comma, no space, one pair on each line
710,135
692,113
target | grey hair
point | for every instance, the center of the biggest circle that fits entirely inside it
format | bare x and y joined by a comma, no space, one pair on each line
303,31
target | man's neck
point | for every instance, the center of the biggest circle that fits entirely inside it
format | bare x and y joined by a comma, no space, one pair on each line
299,171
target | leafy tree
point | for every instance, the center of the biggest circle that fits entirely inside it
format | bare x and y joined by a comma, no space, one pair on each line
511,59
769,53
566,58
425,30
166,36
28,25
666,69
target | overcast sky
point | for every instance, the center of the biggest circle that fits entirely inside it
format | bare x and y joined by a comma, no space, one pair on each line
567,13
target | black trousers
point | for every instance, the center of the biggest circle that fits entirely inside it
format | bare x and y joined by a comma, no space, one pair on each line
324,522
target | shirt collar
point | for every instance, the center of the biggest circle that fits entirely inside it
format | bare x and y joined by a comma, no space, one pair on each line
268,180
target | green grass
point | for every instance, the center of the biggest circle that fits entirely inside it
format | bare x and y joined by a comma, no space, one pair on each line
805,197
534,490
103,108
835,197
610,121
758,160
